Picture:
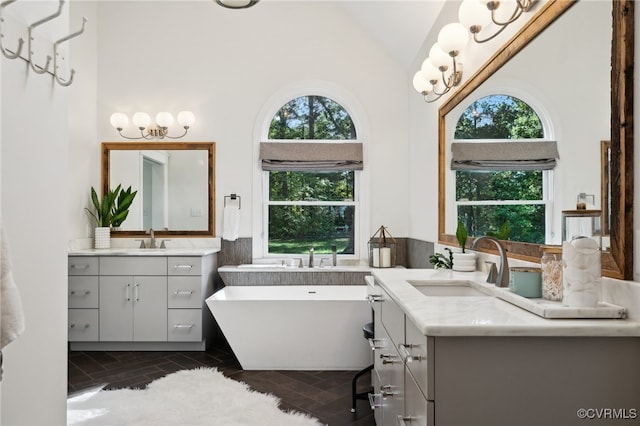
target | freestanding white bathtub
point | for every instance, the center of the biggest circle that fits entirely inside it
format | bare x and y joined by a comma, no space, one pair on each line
315,327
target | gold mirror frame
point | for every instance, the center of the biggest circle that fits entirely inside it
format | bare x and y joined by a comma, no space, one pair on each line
618,261
107,147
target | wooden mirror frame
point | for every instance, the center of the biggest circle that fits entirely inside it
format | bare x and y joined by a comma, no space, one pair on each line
618,261
210,147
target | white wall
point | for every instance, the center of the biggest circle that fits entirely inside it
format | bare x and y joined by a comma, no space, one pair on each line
225,65
34,214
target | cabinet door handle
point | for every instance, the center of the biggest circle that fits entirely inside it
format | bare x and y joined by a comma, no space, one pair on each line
371,298
137,292
184,325
373,344
386,390
182,266
403,420
183,292
406,354
72,325
74,266
86,293
375,400
128,293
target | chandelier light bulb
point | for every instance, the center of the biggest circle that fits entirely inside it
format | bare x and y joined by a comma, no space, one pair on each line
429,71
453,38
186,119
164,119
473,13
119,120
438,57
420,83
141,120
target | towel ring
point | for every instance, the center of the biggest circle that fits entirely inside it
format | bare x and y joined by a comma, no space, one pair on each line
233,197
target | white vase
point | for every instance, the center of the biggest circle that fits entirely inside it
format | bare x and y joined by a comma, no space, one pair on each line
464,262
102,237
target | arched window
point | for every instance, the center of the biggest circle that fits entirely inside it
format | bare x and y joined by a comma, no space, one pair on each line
310,174
503,166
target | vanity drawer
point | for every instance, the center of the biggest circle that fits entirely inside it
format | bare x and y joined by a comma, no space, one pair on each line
83,292
83,325
184,292
417,408
83,265
184,266
133,265
393,319
184,325
418,355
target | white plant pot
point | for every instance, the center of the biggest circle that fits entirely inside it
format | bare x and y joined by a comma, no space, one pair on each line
102,237
464,262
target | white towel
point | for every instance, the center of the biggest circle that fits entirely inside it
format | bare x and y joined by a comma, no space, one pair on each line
11,315
231,221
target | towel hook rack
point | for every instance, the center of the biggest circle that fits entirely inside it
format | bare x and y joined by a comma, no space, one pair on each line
61,81
37,69
233,197
7,53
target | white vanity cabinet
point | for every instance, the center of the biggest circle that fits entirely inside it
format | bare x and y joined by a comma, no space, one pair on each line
133,299
188,287
396,396
138,302
83,299
453,375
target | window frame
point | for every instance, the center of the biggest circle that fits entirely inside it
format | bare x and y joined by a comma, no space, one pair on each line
266,203
548,178
362,178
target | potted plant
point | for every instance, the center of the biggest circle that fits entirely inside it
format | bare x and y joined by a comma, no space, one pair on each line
121,206
440,261
463,261
111,211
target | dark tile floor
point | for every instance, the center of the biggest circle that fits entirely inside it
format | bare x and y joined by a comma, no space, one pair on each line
325,395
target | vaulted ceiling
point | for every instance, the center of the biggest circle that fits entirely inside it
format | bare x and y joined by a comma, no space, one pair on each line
399,26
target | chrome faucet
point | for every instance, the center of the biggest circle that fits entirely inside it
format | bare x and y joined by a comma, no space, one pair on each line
152,240
502,280
311,257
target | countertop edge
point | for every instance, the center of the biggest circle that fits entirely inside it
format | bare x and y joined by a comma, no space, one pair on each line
517,321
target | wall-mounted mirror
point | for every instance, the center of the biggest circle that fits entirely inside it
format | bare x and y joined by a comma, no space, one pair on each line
617,262
175,183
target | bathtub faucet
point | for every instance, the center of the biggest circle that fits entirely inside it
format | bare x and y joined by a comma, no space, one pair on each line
311,257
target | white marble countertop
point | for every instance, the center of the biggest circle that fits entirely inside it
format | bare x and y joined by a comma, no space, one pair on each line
131,247
183,251
483,316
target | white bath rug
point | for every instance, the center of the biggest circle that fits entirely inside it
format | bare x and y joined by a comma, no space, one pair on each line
201,396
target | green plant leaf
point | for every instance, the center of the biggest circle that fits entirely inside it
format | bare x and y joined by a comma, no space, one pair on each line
121,206
461,235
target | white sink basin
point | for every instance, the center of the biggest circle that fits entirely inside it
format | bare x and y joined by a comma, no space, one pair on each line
444,289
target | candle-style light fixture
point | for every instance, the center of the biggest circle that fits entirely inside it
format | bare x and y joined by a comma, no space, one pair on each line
149,130
441,71
476,15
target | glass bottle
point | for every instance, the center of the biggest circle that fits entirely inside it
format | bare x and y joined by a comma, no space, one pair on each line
551,266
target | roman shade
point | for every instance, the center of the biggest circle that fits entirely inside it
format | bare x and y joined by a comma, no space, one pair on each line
503,155
310,156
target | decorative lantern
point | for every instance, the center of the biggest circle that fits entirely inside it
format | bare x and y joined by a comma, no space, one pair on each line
382,249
